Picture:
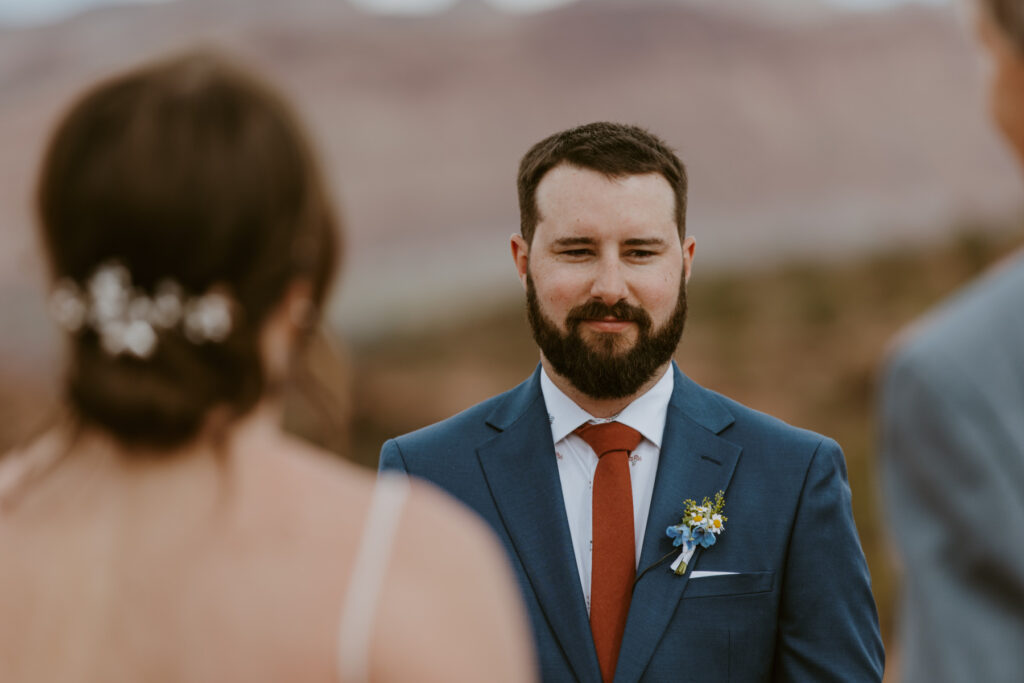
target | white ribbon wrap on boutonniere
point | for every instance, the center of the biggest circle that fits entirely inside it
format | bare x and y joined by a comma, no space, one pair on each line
682,560
700,526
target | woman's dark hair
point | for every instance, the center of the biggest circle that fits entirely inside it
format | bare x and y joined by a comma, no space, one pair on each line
190,170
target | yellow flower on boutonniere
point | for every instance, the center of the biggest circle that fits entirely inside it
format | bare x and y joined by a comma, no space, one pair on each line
700,526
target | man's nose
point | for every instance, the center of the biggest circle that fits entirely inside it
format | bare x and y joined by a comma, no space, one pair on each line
609,284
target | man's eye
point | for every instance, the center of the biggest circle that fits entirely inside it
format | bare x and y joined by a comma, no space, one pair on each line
641,253
577,252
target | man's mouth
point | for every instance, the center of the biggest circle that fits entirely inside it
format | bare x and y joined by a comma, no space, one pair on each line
608,324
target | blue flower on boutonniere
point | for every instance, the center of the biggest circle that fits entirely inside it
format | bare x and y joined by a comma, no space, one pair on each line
700,526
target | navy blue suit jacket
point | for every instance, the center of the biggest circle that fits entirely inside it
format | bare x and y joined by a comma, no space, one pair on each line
798,608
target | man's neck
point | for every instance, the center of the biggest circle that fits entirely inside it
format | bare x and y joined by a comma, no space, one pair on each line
600,407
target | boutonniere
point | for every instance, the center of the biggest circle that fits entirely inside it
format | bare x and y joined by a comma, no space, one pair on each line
700,526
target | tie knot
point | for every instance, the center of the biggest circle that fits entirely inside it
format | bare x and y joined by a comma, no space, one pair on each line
609,437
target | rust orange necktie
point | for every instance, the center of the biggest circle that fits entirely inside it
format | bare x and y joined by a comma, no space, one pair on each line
613,564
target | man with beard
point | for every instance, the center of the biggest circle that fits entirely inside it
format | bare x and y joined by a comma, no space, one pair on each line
601,473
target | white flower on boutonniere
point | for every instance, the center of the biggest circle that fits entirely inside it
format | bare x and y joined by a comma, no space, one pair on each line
700,526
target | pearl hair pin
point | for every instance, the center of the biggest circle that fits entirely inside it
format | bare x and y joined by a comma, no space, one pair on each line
127,320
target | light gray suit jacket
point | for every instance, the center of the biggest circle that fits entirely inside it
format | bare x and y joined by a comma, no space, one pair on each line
952,410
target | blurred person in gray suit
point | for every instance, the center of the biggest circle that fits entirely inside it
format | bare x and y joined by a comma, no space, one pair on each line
952,409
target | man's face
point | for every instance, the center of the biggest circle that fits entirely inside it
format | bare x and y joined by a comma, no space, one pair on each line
1006,82
605,277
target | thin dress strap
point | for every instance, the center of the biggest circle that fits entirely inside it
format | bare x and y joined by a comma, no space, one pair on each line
371,562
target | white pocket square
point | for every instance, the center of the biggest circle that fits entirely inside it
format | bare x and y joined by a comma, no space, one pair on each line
703,575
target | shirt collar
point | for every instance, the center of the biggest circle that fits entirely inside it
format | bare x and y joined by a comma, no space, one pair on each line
647,414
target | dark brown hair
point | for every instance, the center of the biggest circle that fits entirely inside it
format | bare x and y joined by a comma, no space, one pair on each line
1008,15
188,169
614,149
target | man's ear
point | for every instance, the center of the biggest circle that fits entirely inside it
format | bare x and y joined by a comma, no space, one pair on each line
689,247
286,327
521,257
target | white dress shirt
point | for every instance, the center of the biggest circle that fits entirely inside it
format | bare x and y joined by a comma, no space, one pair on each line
577,462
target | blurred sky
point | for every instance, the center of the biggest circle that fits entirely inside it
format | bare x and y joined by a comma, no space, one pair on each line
40,11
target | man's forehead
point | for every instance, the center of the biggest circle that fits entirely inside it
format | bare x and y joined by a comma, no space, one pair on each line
570,194
565,176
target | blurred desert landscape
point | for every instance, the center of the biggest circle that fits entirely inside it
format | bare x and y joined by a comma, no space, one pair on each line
843,178
806,131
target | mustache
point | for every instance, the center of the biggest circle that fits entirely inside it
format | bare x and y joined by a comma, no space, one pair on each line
596,310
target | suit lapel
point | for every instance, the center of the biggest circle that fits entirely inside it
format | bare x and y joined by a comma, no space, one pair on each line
694,462
522,475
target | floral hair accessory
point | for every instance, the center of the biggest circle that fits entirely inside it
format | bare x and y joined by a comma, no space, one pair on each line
127,319
700,526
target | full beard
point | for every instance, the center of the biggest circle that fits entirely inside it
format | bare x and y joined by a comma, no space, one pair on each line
598,368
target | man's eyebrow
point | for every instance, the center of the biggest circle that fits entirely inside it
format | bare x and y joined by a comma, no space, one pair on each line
645,242
590,241
575,241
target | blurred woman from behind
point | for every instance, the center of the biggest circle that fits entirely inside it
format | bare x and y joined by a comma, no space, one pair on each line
170,531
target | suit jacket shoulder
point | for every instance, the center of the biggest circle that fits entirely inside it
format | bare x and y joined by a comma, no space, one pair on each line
476,424
755,431
981,325
754,421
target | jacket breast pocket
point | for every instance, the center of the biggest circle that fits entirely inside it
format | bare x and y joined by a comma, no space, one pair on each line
729,584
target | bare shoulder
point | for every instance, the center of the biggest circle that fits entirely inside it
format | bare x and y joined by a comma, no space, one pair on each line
453,541
308,479
433,515
23,466
451,600
448,607
303,508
